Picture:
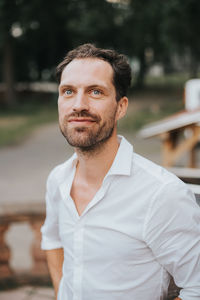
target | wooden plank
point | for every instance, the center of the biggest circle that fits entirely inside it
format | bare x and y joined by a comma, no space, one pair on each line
169,140
184,146
176,121
192,158
185,172
195,188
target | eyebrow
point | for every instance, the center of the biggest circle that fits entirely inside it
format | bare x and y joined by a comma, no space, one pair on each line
87,87
65,85
97,86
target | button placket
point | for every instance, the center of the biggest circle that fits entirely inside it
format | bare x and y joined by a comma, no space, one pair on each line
99,195
78,260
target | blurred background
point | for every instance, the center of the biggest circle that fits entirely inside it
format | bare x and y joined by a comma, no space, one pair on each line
160,38
161,41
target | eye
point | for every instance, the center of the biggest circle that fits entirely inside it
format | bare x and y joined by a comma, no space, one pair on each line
96,92
68,92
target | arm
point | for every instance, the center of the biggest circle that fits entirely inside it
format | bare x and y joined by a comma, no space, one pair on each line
51,241
55,259
172,231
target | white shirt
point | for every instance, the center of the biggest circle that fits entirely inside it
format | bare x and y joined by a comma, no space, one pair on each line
142,225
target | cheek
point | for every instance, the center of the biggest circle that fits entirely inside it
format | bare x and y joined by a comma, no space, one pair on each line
61,114
60,104
106,108
60,111
63,107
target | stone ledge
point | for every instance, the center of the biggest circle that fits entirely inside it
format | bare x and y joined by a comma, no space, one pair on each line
23,280
22,212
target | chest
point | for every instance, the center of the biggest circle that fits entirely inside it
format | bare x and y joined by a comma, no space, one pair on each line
106,245
112,218
111,221
82,194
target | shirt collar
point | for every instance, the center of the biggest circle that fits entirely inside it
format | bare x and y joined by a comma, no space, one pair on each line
123,159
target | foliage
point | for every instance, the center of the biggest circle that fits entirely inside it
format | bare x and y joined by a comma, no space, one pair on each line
182,25
35,35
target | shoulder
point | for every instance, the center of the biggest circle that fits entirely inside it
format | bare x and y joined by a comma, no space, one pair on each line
155,173
161,187
170,196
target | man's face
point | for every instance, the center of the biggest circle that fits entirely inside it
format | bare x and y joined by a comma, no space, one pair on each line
87,102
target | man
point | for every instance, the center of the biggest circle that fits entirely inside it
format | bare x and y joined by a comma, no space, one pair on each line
117,225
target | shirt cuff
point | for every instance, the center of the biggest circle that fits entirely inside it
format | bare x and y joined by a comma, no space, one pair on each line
50,245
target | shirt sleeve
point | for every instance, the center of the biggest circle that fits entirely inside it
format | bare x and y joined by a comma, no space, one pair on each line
50,230
172,231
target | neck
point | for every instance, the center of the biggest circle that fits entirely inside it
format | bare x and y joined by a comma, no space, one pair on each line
94,164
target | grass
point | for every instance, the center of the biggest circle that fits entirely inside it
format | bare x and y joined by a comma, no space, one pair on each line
136,119
18,123
169,80
148,105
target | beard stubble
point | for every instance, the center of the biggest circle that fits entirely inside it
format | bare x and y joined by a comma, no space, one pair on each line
88,139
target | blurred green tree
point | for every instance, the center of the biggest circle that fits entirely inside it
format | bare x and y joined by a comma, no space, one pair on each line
34,35
181,23
142,34
8,17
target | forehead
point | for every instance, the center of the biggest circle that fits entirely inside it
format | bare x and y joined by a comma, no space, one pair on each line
87,71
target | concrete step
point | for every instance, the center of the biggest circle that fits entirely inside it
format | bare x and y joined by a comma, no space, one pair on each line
28,293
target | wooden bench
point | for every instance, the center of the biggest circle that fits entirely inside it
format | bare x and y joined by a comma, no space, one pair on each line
179,133
188,175
191,177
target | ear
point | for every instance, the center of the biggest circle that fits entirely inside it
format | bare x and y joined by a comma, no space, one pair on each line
122,106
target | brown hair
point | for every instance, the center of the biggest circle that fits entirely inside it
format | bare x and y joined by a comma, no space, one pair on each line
118,62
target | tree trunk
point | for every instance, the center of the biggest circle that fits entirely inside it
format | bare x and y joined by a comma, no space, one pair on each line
193,65
142,71
8,74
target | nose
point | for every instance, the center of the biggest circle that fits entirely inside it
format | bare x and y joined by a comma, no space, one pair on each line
80,102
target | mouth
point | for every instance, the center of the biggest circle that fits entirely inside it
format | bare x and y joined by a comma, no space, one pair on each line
81,120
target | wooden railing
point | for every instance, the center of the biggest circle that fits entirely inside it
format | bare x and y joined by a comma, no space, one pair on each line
34,215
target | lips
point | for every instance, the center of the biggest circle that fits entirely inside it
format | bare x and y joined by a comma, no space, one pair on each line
80,120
